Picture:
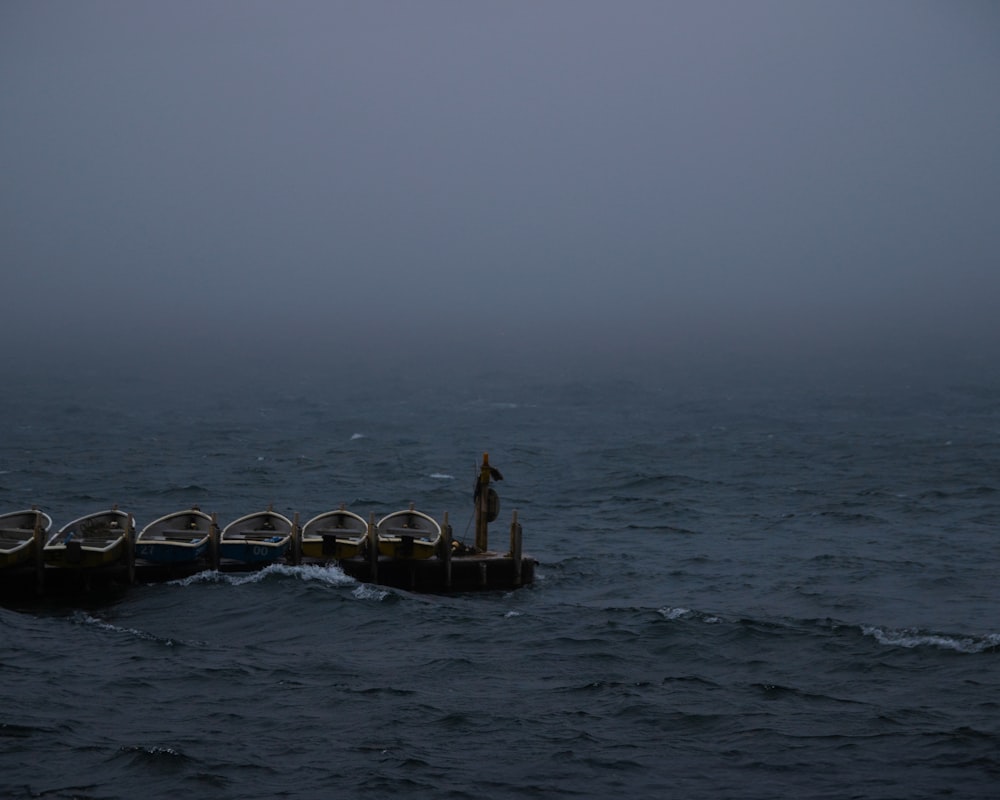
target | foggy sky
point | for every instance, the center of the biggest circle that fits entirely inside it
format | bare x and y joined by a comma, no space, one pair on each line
343,178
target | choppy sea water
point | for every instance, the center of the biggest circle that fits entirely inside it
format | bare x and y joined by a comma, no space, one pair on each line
743,591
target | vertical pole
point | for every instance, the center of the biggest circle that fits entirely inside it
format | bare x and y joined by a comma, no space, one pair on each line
515,548
372,548
213,544
296,541
39,537
482,505
446,551
130,549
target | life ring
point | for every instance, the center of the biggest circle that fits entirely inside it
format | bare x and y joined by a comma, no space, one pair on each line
492,505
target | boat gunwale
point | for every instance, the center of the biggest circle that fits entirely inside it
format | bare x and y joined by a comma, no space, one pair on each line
148,536
350,535
109,542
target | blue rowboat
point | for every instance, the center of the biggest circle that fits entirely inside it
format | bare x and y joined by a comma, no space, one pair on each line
258,538
178,538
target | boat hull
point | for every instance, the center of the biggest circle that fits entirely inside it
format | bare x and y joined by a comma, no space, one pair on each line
336,550
334,535
77,556
178,538
19,554
408,535
260,538
165,552
254,552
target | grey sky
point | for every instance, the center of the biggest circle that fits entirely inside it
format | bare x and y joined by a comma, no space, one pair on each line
598,175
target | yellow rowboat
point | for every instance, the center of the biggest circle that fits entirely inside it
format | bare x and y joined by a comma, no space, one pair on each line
95,540
17,535
408,534
334,535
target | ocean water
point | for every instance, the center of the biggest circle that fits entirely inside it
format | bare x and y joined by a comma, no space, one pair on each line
745,589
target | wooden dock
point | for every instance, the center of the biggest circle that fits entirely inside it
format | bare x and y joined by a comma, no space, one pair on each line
454,569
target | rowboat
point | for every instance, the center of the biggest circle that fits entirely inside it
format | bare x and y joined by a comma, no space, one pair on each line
17,535
258,538
177,538
335,534
408,534
95,540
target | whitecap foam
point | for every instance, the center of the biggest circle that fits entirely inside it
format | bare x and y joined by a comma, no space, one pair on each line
207,576
329,574
670,612
911,638
357,436
83,618
444,476
366,591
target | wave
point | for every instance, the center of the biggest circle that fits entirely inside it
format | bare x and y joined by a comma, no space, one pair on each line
911,638
331,575
442,476
83,618
366,591
672,613
153,750
179,491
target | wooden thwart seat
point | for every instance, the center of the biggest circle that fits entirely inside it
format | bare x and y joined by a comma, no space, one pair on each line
257,534
411,533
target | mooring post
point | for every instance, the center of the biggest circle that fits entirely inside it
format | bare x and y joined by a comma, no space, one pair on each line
296,541
130,535
515,548
39,537
446,551
213,544
372,547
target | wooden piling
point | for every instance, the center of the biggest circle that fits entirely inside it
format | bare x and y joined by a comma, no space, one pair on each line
214,534
372,548
39,537
296,558
446,551
515,548
130,534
